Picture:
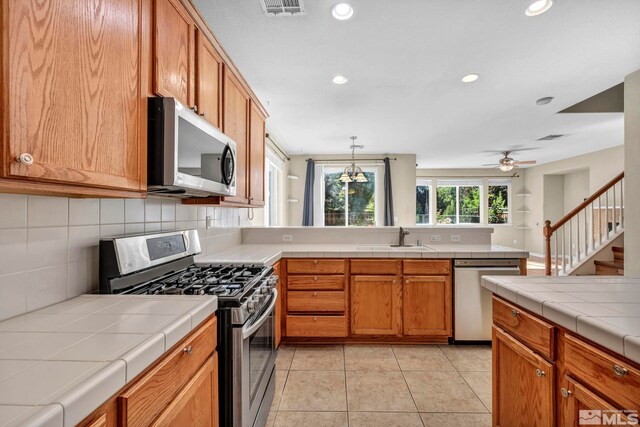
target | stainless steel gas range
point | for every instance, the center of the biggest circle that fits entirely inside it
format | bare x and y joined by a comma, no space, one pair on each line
163,264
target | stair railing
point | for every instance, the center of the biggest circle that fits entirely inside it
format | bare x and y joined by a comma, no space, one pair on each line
583,230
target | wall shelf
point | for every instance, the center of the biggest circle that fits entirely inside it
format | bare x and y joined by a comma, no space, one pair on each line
523,194
523,227
293,177
523,211
293,200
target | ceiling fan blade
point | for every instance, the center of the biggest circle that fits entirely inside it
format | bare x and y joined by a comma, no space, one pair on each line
490,164
527,162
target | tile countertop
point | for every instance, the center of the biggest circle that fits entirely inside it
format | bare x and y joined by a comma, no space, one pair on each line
603,309
58,364
268,254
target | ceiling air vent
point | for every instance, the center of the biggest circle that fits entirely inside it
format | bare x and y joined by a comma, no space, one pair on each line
553,137
282,7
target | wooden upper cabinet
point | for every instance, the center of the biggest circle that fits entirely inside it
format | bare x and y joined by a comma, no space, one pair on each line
236,125
376,303
256,155
174,52
72,106
208,80
427,305
523,384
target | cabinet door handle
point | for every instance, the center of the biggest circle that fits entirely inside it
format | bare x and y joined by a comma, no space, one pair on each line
514,313
315,294
188,350
620,371
540,373
25,159
565,393
315,278
315,318
315,262
195,108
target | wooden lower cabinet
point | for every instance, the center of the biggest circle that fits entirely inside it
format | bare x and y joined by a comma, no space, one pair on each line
180,389
576,397
426,302
523,384
526,361
376,305
197,404
309,326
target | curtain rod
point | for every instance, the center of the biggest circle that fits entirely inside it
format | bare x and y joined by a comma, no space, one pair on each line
350,160
283,155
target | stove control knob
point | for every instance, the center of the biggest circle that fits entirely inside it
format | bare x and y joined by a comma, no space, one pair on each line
264,290
252,306
273,280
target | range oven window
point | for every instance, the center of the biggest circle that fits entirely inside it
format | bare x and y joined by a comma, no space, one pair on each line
261,347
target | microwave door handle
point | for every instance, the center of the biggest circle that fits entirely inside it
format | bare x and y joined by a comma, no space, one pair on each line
247,331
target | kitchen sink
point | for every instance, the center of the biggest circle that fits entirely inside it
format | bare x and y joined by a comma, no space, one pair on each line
374,248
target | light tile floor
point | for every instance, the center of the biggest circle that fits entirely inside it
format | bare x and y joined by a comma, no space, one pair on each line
382,385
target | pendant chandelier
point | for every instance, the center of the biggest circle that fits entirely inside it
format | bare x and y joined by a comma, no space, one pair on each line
353,173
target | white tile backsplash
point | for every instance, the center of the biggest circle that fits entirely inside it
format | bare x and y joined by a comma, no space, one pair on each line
49,245
84,211
111,211
47,211
13,209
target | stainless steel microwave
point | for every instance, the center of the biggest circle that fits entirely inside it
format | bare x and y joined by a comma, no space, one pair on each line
186,155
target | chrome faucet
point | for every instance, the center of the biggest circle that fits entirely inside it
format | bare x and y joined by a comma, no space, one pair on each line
403,233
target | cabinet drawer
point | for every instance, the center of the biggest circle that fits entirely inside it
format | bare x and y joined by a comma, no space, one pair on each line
428,267
535,333
607,375
315,266
148,397
316,301
317,326
318,283
375,266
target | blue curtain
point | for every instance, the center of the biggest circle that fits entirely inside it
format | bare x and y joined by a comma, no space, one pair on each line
307,212
388,194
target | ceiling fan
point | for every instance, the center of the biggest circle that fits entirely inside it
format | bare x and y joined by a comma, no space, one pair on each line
507,163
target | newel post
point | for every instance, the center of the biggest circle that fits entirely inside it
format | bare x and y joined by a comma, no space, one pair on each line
547,250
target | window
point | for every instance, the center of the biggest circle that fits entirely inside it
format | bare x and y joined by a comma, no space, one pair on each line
458,202
349,204
423,201
274,189
498,201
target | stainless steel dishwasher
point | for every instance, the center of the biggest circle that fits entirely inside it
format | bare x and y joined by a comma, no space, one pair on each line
472,319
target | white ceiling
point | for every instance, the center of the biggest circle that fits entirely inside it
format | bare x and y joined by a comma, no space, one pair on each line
404,60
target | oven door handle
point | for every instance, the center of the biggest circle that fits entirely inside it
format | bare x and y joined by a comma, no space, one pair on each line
248,331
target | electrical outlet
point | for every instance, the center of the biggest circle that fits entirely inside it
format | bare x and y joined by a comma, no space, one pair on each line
515,242
436,237
287,238
209,222
455,237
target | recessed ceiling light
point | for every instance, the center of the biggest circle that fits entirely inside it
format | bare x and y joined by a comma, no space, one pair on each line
538,7
544,101
340,79
470,78
342,11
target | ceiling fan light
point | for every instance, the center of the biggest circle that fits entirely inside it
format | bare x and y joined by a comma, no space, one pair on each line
506,167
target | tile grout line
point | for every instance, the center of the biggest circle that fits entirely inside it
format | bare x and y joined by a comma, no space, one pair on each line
407,384
346,391
465,380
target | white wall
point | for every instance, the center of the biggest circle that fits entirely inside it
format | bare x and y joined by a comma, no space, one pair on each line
602,166
403,181
49,245
632,173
